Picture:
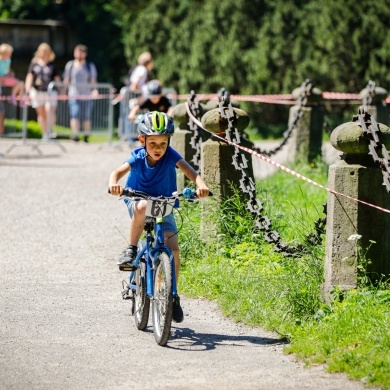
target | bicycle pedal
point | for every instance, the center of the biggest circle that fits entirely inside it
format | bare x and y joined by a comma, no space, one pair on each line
126,267
126,292
126,295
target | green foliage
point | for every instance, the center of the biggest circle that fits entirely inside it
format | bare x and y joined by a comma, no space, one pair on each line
91,22
257,46
260,47
246,47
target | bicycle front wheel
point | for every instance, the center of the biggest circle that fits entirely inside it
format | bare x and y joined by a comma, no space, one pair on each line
141,300
162,303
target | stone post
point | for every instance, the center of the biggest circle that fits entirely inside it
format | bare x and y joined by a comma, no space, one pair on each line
306,140
357,176
181,141
217,167
378,107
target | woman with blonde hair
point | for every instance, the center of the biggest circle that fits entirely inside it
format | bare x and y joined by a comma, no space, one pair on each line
41,73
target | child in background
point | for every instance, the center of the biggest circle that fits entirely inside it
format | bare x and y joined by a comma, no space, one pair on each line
7,77
155,101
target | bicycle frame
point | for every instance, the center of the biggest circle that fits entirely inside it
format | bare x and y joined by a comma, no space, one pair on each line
150,253
155,276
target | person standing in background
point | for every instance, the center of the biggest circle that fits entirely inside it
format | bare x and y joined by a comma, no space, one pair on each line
6,51
140,74
7,76
77,74
41,73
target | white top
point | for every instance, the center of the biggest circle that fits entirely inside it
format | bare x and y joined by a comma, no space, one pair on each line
138,77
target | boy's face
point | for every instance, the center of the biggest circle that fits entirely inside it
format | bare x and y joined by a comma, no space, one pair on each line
156,145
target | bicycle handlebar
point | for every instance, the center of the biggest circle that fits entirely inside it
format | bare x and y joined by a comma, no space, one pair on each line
187,193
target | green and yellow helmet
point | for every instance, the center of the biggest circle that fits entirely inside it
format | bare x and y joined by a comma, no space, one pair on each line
156,123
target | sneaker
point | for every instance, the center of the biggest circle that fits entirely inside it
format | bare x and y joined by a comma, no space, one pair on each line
177,313
127,258
86,138
75,138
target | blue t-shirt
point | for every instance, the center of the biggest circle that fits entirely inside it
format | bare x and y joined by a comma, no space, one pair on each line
157,180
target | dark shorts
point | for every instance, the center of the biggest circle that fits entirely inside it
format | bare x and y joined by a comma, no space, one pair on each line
80,109
169,220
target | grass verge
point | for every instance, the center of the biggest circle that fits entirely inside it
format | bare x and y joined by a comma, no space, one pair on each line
258,286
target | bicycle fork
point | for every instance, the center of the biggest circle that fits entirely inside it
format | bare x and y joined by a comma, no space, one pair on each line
153,263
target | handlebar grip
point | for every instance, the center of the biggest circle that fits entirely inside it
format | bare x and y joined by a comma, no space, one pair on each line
126,192
129,192
189,193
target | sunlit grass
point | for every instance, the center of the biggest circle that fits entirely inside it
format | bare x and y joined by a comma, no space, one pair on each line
258,286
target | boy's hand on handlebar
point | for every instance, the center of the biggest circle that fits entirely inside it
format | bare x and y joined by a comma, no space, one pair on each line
116,189
202,192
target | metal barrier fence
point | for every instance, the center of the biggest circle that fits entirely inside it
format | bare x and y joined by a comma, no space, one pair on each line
99,95
16,113
94,96
127,131
12,111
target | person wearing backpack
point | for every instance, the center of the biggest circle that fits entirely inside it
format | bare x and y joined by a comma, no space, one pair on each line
79,72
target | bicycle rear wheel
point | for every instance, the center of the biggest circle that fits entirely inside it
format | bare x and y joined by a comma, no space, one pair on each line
162,304
141,300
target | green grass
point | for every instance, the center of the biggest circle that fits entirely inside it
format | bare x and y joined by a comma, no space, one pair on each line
257,286
14,128
353,337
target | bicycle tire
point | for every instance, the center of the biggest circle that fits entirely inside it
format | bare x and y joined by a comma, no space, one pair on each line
162,304
141,300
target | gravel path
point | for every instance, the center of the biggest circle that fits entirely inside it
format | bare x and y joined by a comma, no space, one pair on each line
63,324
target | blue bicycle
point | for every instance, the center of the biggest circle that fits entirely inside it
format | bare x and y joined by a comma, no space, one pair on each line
154,279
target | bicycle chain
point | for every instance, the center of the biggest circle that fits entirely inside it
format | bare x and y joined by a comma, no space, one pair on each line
305,92
371,130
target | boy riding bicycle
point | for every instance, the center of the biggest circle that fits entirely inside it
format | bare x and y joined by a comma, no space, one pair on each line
152,169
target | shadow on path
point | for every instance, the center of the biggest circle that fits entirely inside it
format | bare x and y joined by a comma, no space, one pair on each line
188,339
